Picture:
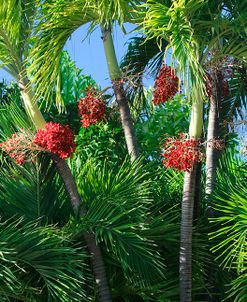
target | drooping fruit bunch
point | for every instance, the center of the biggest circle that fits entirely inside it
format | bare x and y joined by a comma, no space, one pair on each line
166,85
56,138
182,153
20,146
91,107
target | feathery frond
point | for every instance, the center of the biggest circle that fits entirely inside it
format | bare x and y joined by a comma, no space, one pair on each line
143,58
173,25
16,22
34,192
39,263
118,202
56,22
13,116
230,204
109,11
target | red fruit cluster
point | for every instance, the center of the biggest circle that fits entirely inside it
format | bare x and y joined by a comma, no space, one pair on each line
182,153
13,146
165,86
19,145
91,108
56,138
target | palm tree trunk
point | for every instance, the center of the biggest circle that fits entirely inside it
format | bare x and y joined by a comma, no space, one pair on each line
187,207
197,194
213,134
115,75
98,268
74,196
185,258
69,184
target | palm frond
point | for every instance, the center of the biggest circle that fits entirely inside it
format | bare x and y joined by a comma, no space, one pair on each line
16,22
139,54
108,11
117,202
34,192
173,25
39,264
143,58
56,22
230,236
238,290
12,115
237,100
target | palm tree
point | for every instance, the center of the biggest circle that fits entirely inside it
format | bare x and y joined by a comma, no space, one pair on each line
171,24
118,202
16,27
16,24
221,39
55,28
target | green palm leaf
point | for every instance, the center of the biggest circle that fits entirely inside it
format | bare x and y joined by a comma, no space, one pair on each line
230,237
118,202
13,116
56,22
173,24
142,57
33,191
39,264
16,21
54,28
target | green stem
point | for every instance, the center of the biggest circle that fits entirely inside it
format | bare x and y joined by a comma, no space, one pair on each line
30,105
110,54
196,121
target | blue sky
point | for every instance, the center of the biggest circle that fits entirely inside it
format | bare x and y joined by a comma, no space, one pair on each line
89,54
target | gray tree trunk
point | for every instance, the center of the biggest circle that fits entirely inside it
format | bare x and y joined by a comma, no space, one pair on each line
126,120
98,268
213,134
185,258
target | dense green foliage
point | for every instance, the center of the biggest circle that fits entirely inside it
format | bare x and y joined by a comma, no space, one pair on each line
132,208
